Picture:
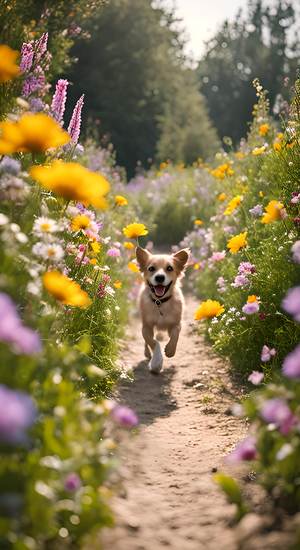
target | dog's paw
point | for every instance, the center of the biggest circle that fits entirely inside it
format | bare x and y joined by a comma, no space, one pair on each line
156,363
170,350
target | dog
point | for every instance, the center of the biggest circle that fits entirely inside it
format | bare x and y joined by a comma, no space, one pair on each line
161,301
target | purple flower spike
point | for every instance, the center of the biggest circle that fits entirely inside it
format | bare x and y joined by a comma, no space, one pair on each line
75,122
59,99
276,411
17,414
256,377
41,46
124,416
291,302
12,331
245,450
72,482
291,364
27,53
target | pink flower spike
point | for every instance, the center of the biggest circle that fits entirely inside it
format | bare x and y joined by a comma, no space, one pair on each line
75,122
41,46
256,377
59,99
27,53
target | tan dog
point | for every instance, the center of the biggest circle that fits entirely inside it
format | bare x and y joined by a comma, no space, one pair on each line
161,301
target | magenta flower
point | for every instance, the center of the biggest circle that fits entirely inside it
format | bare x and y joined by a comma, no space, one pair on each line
17,414
113,252
22,339
267,353
124,416
256,377
75,122
276,411
72,482
27,53
296,252
291,364
245,450
250,307
291,302
59,99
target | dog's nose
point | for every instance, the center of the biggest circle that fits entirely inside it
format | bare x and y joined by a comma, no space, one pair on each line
159,278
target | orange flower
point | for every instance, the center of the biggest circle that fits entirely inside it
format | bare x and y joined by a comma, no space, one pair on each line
8,67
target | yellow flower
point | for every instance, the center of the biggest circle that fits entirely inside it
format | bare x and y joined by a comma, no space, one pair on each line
197,266
198,222
273,212
31,133
65,290
93,261
163,165
209,309
8,67
252,299
258,150
277,146
120,200
264,129
222,171
118,284
133,267
96,247
261,194
128,245
222,197
237,242
135,230
80,222
72,181
239,155
233,204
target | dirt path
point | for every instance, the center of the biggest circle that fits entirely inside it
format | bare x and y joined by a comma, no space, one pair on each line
186,430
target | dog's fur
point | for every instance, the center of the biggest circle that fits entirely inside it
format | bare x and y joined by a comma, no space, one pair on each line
161,300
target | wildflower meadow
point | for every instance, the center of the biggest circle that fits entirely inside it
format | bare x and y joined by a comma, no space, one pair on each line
70,220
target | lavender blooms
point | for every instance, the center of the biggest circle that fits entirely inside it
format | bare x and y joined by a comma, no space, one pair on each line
291,303
250,308
27,54
22,339
75,122
9,165
242,279
256,211
17,414
291,364
276,411
59,100
72,482
245,450
34,62
124,416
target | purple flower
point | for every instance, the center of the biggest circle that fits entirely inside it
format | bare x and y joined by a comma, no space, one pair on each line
256,377
35,82
72,482
12,331
59,99
113,252
250,307
17,414
291,302
10,166
246,268
124,416
291,364
256,211
295,197
276,411
217,256
41,46
267,353
75,122
296,252
245,450
240,281
27,53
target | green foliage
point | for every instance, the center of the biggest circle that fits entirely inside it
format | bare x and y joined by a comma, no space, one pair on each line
233,493
138,88
258,44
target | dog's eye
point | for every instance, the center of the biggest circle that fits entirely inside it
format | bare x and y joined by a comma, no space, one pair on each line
170,268
151,268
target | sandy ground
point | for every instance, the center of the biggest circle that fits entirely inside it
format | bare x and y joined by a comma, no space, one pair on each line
186,429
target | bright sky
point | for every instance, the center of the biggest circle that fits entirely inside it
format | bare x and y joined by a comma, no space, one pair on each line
201,18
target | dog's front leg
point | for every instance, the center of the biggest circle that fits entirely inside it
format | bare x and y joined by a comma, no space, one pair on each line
170,348
148,335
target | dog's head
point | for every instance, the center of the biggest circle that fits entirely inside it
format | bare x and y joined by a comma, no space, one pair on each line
161,271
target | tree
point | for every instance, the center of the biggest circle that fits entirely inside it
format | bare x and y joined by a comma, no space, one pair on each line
258,45
133,74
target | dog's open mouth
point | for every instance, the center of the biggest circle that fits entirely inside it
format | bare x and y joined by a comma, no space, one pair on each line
160,290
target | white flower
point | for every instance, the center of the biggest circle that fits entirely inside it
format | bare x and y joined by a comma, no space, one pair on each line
3,219
34,288
284,451
43,225
53,252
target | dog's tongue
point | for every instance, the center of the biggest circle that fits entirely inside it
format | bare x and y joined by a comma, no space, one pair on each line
159,290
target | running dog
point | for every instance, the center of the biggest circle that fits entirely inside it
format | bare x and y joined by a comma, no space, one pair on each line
161,301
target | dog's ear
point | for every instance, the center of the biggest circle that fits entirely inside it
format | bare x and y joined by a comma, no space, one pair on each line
142,256
181,258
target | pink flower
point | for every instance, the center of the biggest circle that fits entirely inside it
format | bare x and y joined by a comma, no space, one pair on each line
256,377
59,99
291,364
124,416
75,122
276,411
72,482
218,256
250,307
41,46
27,53
114,252
245,450
267,353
